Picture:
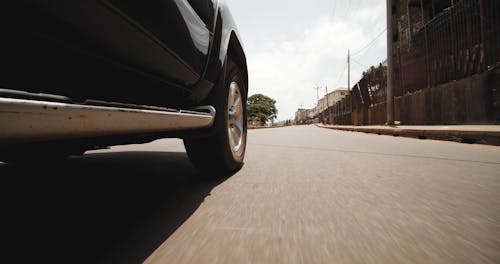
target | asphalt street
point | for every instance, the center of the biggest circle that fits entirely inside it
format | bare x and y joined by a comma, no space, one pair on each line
305,195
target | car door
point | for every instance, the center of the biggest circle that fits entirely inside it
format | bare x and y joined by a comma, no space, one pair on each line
182,27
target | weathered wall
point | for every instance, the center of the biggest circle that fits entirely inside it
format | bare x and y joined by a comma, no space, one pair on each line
461,102
493,81
360,117
339,113
377,114
473,100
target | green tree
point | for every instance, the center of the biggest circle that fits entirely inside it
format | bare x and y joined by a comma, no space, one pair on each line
376,75
261,108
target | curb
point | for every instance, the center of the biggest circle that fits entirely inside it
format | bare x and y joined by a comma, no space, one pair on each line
462,136
264,127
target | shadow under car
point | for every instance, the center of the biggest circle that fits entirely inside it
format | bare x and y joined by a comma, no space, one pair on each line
115,207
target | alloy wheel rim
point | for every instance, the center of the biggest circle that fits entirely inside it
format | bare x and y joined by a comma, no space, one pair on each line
235,120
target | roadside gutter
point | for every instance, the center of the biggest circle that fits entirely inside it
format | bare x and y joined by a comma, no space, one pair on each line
479,134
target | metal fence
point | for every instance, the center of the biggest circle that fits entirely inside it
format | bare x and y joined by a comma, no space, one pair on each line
462,40
339,113
371,89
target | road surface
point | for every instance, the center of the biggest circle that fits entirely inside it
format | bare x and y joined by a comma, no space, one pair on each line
305,195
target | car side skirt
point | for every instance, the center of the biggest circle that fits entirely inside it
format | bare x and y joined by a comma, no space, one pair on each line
24,120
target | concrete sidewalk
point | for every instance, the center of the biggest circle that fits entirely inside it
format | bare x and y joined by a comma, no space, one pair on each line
480,134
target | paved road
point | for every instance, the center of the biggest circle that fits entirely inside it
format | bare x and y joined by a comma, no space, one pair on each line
305,195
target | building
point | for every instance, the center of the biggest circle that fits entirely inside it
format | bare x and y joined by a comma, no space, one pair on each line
306,116
331,98
317,114
301,115
312,113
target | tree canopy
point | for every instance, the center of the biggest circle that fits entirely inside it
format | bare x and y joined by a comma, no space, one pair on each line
376,75
261,108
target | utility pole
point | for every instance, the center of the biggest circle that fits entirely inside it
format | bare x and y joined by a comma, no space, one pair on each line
348,70
327,103
390,66
317,94
317,102
326,96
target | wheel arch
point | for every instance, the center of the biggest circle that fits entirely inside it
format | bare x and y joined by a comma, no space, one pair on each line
237,55
226,43
231,44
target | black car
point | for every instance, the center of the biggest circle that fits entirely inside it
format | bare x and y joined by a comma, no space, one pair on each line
77,75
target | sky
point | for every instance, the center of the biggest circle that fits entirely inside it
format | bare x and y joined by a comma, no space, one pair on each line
293,46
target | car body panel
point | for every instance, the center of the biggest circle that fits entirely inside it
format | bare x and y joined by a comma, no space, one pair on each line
108,50
225,32
177,26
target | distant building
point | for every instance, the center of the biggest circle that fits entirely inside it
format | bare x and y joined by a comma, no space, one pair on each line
306,116
309,116
301,115
312,113
332,98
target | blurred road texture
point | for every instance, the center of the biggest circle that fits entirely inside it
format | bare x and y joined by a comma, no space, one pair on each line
305,195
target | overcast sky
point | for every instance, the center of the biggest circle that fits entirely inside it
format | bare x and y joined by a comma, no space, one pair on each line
293,46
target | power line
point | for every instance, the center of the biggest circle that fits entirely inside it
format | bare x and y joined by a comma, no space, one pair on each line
348,70
369,44
340,76
359,63
317,94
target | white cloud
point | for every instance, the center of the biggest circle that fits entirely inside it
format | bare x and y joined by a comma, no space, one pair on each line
287,70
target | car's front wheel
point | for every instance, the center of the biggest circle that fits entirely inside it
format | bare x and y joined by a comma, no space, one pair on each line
224,150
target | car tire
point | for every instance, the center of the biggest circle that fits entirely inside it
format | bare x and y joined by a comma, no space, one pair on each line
223,151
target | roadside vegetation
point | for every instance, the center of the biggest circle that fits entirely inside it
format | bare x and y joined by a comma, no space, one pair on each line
261,109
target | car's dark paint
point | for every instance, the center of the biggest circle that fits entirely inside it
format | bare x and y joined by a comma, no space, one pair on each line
112,50
175,24
225,42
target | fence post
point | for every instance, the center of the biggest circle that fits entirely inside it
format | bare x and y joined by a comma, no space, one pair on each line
390,67
426,43
484,41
